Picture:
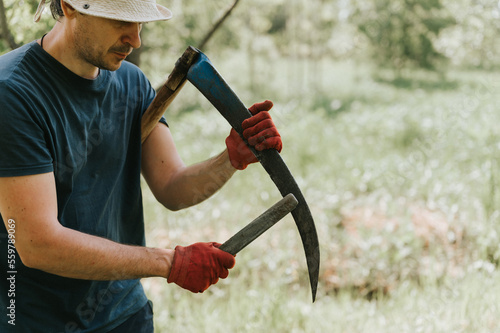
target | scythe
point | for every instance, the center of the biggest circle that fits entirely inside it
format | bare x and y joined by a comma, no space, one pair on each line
195,67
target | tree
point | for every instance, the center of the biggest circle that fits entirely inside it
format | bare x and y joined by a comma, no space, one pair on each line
19,14
402,32
135,57
473,41
217,25
5,31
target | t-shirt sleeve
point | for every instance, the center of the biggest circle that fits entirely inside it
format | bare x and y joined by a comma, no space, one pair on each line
23,147
163,121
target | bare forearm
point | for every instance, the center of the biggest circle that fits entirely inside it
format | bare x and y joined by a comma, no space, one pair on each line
29,205
195,183
73,254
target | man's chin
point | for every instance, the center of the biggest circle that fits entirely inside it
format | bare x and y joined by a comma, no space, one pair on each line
112,66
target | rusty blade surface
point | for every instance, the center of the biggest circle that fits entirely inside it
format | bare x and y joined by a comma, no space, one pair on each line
203,75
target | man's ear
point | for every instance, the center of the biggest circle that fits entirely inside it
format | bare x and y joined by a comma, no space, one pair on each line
67,9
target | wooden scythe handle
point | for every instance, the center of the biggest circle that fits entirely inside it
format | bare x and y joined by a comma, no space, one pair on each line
167,92
260,225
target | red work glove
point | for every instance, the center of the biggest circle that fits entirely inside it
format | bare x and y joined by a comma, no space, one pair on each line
260,132
200,265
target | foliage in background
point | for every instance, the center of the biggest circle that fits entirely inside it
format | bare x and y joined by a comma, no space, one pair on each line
19,14
474,41
403,32
396,33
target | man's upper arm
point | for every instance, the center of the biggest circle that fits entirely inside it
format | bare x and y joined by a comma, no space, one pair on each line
160,159
31,202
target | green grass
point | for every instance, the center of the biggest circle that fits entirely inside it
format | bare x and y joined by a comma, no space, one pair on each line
402,177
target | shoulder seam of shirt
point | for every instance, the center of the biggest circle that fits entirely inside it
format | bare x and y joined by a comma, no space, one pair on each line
20,59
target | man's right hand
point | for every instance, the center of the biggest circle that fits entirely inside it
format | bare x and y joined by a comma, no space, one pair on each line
200,265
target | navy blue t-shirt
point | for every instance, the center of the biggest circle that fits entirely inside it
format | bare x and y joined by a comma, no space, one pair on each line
87,132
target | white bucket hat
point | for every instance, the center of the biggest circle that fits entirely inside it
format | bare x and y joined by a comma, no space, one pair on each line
121,10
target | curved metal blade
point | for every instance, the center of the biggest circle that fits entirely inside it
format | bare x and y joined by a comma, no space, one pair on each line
205,77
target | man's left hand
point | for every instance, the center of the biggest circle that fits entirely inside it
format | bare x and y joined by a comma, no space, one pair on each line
260,132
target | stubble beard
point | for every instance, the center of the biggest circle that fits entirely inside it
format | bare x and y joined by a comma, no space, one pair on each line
89,52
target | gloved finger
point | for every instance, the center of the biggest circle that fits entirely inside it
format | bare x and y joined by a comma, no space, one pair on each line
202,289
270,143
257,136
226,260
262,126
224,273
254,120
263,106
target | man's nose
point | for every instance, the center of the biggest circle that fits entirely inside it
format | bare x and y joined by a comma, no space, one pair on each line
132,35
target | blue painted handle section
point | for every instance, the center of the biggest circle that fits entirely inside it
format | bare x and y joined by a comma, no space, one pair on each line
205,77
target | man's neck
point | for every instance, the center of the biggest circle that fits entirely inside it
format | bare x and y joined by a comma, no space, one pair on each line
59,45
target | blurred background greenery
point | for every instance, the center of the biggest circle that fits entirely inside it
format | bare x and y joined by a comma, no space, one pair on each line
390,123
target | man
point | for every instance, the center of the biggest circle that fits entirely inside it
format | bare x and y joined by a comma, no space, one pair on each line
70,165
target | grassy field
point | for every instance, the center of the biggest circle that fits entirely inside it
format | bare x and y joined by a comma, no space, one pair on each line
402,177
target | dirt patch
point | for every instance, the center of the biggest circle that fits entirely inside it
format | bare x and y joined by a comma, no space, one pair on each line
379,247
